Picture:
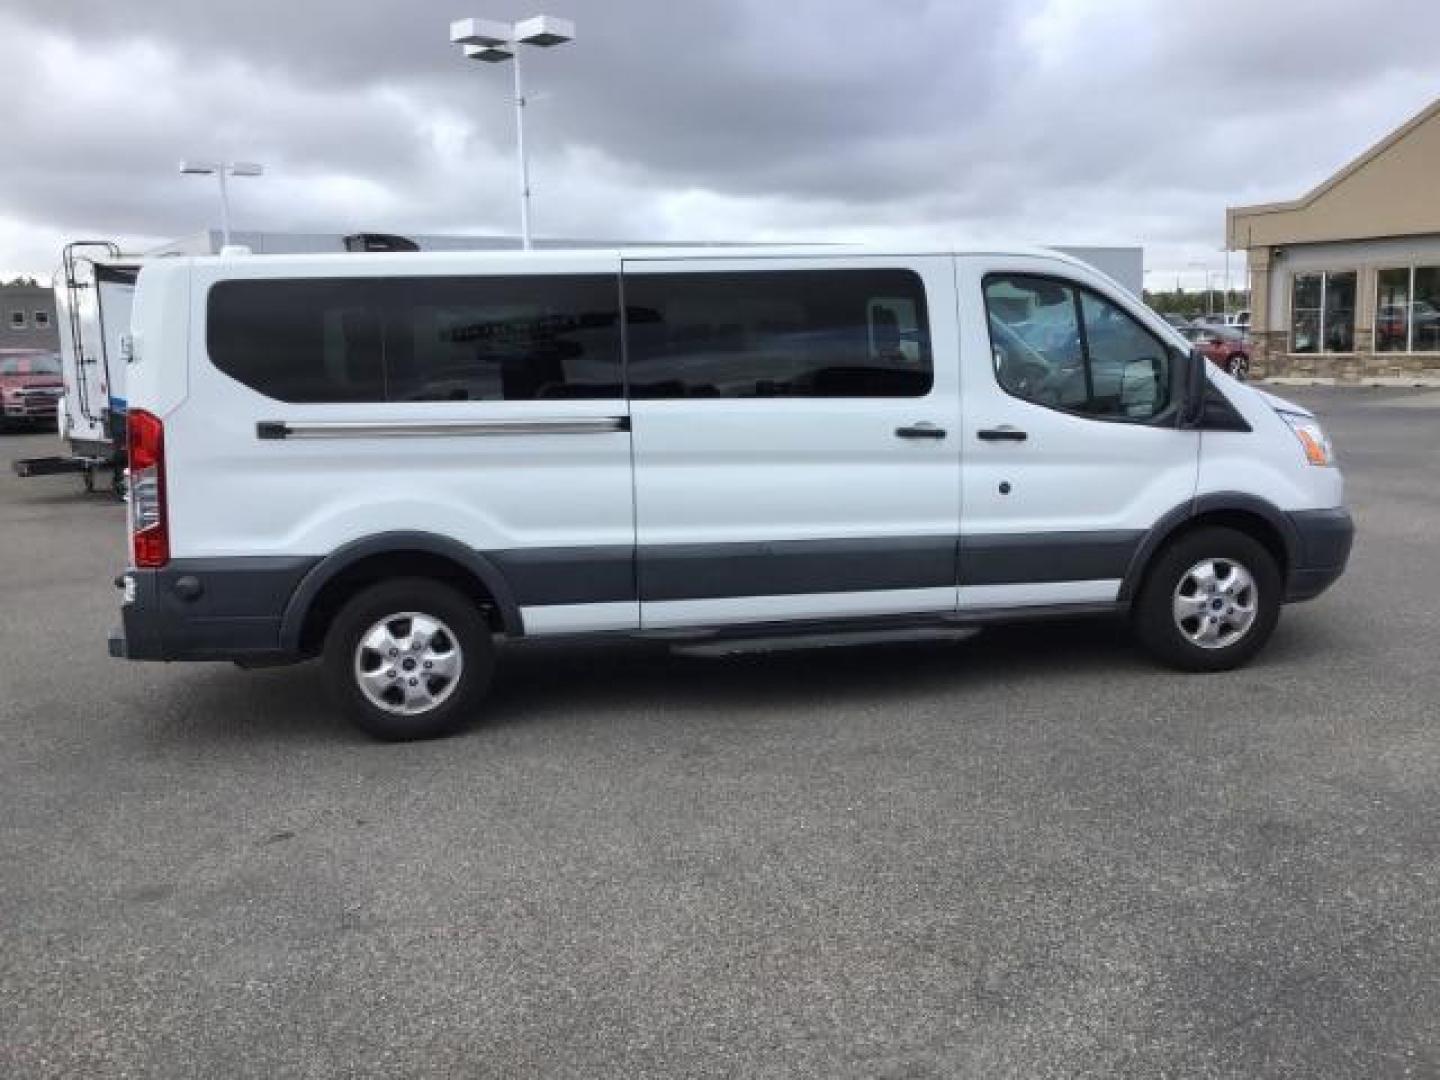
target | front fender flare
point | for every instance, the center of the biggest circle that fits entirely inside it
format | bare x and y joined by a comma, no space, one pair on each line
1209,503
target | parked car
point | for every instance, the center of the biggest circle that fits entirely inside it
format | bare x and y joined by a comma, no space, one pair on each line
1224,346
30,385
399,463
1391,330
1176,320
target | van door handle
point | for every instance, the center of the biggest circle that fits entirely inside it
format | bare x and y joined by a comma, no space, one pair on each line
1002,434
923,430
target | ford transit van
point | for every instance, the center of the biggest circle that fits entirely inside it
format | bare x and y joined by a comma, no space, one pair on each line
395,463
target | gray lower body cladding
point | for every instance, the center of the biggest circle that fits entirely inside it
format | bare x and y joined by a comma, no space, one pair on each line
209,609
235,608
1323,539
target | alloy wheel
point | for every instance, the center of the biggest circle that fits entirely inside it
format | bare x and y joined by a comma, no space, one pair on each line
1215,603
408,663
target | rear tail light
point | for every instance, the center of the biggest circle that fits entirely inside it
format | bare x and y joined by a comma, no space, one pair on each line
149,529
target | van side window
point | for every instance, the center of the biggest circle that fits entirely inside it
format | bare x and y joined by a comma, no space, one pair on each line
299,340
1061,345
523,338
502,339
778,334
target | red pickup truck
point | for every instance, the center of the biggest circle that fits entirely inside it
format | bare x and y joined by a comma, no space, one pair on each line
30,387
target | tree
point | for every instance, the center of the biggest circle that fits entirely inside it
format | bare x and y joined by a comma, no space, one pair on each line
1188,305
23,280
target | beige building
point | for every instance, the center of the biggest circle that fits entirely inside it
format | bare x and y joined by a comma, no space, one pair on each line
27,318
1345,280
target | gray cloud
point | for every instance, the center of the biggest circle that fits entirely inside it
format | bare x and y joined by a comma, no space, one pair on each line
1051,120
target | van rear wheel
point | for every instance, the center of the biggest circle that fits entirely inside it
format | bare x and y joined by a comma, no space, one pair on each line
409,659
1210,601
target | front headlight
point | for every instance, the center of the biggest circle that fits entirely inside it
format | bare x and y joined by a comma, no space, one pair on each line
1313,439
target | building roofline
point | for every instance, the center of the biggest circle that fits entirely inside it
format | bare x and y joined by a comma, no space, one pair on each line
1336,178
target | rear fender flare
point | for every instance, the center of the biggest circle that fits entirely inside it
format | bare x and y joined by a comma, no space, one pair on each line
293,620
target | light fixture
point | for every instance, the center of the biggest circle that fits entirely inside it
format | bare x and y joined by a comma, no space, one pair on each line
495,42
221,169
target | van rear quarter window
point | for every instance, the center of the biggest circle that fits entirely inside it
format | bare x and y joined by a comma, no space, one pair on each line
523,338
783,333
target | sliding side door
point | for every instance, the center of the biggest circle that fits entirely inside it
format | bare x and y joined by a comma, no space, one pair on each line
795,431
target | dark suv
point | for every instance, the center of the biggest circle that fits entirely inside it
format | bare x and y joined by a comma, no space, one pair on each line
30,387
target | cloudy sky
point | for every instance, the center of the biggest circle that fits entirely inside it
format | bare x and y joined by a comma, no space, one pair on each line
1048,121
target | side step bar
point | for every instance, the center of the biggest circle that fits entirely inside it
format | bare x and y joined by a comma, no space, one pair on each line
895,635
814,634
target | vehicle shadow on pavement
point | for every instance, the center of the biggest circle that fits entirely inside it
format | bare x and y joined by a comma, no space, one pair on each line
536,678
573,684
102,498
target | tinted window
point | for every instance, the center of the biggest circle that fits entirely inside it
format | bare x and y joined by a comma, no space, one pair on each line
298,340
419,339
31,364
1057,344
771,334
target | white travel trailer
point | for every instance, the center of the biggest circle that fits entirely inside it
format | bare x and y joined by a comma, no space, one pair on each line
395,462
94,293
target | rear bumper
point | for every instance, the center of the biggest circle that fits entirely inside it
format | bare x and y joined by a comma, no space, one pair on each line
1323,539
208,609
29,411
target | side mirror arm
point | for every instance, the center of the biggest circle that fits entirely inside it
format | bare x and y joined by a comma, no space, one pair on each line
1192,410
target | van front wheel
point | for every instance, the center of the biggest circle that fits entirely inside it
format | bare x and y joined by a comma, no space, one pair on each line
409,659
1210,602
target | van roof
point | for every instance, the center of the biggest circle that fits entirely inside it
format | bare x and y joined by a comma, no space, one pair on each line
389,259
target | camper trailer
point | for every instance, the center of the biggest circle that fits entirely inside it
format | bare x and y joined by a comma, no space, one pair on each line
94,291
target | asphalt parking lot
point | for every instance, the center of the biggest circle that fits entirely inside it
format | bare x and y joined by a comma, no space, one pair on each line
1032,854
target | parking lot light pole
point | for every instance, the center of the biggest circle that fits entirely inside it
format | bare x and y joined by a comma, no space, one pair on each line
220,169
494,43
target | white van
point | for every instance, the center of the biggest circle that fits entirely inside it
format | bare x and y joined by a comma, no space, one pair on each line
391,461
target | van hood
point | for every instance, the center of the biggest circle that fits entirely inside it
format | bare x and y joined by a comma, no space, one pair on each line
1278,403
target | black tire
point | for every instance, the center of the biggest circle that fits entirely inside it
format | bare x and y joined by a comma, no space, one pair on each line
1238,366
466,631
1154,616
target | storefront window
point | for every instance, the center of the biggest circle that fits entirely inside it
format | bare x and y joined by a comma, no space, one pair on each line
1392,310
1305,313
1340,292
1322,311
1407,309
1425,310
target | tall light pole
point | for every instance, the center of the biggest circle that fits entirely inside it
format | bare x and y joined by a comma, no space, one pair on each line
496,42
1209,296
221,169
1227,284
